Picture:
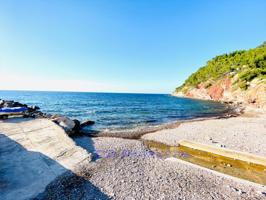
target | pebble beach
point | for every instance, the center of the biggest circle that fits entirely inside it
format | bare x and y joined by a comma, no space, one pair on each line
119,168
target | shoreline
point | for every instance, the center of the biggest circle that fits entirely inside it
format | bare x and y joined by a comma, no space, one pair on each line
234,110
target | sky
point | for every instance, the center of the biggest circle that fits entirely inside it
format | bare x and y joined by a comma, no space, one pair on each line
138,46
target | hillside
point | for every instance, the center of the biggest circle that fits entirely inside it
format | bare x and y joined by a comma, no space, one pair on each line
239,76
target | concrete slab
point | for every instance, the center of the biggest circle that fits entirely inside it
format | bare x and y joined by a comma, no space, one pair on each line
32,154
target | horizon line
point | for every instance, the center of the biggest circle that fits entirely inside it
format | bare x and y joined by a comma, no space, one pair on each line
70,91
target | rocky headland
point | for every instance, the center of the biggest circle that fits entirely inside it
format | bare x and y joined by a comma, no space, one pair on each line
236,78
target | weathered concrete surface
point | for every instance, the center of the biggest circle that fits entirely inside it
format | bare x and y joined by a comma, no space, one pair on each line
32,154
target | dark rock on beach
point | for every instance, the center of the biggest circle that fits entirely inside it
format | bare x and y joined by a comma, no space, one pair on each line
34,108
86,123
72,127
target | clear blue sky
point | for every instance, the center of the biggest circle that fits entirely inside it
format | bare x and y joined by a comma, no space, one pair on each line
120,45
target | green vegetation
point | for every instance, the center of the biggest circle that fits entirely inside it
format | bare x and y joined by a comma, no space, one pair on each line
247,64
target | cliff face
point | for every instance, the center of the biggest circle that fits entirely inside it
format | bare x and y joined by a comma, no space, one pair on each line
236,77
224,90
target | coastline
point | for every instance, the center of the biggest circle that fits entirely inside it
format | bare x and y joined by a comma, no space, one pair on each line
137,134
234,110
123,168
252,100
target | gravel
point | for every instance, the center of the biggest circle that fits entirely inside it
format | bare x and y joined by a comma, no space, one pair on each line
247,134
139,174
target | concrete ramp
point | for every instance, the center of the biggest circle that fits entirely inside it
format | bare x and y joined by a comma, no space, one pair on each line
33,152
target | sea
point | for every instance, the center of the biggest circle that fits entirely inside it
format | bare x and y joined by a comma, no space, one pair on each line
119,112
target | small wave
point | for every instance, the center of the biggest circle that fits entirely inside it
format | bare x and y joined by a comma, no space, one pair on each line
151,121
137,132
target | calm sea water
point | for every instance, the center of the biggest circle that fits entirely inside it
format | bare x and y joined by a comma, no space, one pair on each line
113,112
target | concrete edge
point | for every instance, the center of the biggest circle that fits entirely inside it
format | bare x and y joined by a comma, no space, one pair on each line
237,155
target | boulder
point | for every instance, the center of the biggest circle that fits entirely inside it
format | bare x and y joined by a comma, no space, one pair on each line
34,108
8,104
66,123
1,103
12,104
71,127
17,104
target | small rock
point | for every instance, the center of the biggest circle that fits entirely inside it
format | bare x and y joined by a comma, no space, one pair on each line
111,194
262,193
86,123
208,138
34,108
2,102
8,104
17,104
238,191
66,123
